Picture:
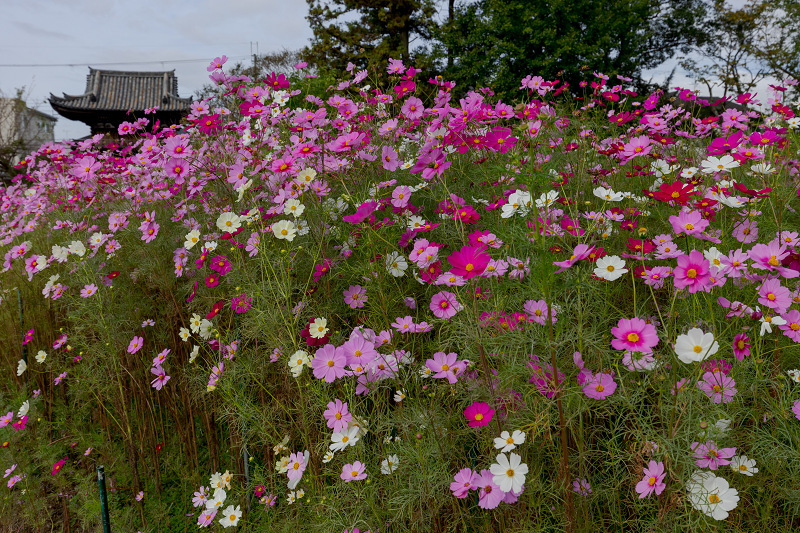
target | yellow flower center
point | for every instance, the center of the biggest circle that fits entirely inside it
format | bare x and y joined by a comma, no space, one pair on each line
599,388
633,337
445,368
691,273
697,349
479,417
470,267
651,481
713,498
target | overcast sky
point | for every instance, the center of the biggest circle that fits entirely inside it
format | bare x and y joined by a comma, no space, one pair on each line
145,35
150,33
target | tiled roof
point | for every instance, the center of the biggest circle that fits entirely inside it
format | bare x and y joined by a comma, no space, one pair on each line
113,90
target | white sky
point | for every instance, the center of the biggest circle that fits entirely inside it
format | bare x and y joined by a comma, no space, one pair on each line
91,32
153,34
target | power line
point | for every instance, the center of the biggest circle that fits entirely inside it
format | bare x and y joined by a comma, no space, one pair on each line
112,63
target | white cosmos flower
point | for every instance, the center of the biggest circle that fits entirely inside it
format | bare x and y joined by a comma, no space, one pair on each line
231,516
507,442
695,345
41,356
610,268
318,328
396,264
509,472
23,410
767,321
293,207
718,164
192,238
22,366
389,464
284,229
743,465
343,439
608,194
711,495
297,362
228,222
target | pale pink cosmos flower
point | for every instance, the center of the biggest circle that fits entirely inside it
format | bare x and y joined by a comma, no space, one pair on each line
718,386
355,296
489,495
688,222
88,290
400,196
160,379
709,455
135,345
464,481
354,472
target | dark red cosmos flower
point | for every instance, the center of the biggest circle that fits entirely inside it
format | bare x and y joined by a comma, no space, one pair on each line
192,295
216,309
113,274
763,193
677,192
639,245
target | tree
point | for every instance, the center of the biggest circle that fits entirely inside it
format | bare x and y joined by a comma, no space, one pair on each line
366,32
498,42
22,130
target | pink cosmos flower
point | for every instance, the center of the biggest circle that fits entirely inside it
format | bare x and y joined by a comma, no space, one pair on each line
337,416
135,345
770,256
390,162
745,231
469,262
653,480
489,495
297,465
600,386
14,480
796,409
688,222
773,295
634,335
708,455
718,386
359,351
149,231
353,472
537,311
404,324
88,290
206,518
160,379
444,365
6,419
355,296
792,326
692,272
581,251
464,481
329,363
479,414
444,305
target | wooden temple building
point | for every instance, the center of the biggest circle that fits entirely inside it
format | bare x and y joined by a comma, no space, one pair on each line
113,97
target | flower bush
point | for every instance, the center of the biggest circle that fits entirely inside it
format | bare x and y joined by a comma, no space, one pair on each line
385,284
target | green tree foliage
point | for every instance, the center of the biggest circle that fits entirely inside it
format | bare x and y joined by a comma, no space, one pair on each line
366,32
498,42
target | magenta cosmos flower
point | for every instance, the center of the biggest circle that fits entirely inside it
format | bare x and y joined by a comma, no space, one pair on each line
775,296
479,414
741,346
634,335
692,272
362,213
653,480
354,472
220,264
241,303
444,305
600,386
469,262
329,363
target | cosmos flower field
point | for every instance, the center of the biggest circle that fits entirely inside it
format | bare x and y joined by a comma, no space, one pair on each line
377,306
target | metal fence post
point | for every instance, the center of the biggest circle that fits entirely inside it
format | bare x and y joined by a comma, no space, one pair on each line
101,485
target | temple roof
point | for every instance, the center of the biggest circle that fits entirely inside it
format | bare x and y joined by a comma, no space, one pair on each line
116,90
